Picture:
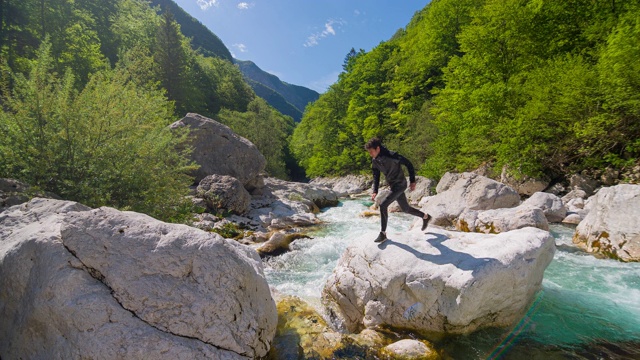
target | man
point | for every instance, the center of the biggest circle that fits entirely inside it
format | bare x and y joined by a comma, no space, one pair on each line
389,163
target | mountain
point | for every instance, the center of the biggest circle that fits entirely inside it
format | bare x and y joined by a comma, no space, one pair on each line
295,95
287,98
202,39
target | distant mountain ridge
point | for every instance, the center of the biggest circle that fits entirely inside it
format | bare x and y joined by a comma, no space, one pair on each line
287,98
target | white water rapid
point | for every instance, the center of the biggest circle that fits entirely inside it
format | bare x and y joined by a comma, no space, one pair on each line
588,306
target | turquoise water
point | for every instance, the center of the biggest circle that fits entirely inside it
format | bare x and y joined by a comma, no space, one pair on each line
588,308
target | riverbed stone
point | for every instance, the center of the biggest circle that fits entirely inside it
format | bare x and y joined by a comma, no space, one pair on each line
224,192
502,220
612,227
551,205
100,283
345,185
409,349
303,333
442,282
466,191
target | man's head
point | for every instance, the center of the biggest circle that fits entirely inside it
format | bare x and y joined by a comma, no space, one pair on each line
373,147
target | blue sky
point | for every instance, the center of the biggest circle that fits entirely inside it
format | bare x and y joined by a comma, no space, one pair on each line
303,42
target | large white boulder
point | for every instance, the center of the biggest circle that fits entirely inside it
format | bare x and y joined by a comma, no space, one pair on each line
81,283
467,191
612,226
439,282
219,150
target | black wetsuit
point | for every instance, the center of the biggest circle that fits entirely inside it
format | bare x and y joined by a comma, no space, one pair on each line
390,164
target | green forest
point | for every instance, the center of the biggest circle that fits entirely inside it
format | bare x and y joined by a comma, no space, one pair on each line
547,87
88,89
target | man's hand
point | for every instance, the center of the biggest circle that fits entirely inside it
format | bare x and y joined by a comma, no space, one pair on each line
373,196
412,186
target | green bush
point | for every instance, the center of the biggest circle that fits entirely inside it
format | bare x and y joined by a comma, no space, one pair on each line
107,144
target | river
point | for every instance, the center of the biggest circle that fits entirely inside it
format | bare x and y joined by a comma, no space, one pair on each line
588,308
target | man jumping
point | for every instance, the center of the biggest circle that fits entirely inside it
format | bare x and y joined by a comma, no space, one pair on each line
389,163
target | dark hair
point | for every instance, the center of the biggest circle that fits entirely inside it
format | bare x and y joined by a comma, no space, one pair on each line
373,143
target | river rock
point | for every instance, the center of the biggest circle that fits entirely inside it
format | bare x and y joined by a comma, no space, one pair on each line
525,186
611,226
304,334
583,182
224,192
345,185
442,282
502,220
551,205
409,349
285,204
467,191
80,283
219,150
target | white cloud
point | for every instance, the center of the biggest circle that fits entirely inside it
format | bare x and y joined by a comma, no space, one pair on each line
356,12
329,29
241,47
205,4
245,6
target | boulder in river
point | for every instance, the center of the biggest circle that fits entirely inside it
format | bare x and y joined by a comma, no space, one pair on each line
441,282
612,226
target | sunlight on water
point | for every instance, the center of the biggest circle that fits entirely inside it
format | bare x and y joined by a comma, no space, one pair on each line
584,300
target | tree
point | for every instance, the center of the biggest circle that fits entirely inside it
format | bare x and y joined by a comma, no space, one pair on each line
108,144
171,58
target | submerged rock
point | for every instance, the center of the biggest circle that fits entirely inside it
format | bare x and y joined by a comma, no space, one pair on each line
409,349
303,333
442,282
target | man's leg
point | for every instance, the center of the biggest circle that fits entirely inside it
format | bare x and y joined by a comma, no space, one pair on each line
384,206
404,205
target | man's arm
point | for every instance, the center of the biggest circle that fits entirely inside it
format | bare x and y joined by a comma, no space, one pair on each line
412,172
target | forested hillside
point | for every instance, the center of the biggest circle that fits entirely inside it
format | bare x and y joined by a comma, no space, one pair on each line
202,40
545,87
88,89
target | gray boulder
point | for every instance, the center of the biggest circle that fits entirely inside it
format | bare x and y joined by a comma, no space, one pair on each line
104,284
223,191
458,193
218,150
346,185
611,227
551,205
502,220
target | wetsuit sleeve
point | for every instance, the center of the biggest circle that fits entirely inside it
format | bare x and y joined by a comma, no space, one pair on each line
376,179
412,172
